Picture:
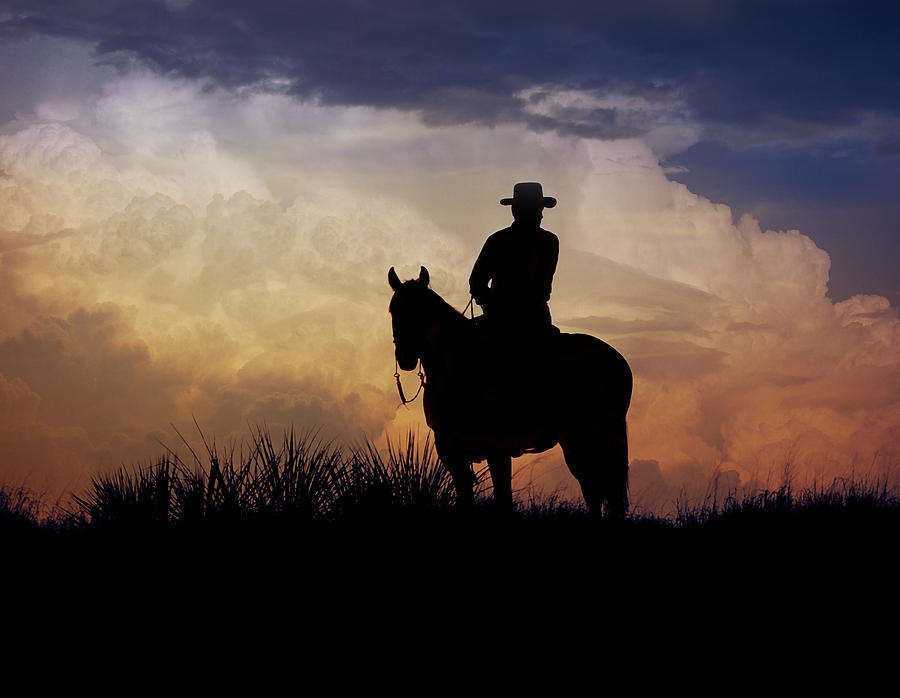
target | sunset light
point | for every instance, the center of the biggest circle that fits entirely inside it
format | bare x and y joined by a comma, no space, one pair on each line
198,225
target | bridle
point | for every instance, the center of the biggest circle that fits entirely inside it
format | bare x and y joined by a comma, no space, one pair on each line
421,373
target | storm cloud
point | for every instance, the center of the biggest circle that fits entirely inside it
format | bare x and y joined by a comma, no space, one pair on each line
171,253
749,71
788,111
199,203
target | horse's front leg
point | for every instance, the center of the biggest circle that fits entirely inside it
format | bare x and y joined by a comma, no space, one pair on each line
464,481
460,470
501,478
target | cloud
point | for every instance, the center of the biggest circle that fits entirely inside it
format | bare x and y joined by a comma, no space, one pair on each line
842,190
775,71
658,117
224,257
137,308
80,392
18,403
615,326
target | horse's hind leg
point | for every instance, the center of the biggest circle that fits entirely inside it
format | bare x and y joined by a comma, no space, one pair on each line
582,464
615,469
501,478
599,461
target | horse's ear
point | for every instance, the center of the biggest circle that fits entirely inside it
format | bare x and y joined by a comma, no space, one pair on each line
394,280
423,276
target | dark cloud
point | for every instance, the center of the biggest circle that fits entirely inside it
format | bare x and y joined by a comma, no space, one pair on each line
780,69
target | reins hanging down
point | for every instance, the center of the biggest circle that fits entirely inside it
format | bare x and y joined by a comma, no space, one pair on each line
400,387
470,307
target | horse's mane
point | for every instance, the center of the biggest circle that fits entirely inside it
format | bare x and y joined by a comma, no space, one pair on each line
444,310
430,301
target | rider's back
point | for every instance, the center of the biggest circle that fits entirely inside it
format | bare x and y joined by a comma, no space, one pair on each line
513,276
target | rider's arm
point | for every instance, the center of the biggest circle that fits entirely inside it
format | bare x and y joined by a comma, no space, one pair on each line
552,259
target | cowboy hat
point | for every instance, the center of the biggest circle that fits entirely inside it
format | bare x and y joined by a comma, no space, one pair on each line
529,194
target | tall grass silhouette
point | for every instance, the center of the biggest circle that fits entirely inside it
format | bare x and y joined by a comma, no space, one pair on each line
19,507
302,479
299,479
850,498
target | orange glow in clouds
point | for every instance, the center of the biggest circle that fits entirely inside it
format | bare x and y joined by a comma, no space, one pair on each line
169,253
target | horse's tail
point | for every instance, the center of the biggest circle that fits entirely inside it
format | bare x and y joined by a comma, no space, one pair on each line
617,493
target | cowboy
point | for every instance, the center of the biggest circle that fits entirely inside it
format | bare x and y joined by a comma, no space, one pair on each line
513,275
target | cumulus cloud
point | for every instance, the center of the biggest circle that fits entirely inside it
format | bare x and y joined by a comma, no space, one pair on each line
137,307
175,253
788,91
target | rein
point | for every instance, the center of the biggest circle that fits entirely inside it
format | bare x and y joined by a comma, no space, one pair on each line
470,307
400,387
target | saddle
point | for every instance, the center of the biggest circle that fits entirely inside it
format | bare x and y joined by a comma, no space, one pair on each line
512,360
508,368
491,336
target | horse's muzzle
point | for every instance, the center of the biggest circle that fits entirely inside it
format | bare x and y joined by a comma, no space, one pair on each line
407,360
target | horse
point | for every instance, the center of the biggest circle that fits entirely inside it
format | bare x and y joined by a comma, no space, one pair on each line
490,398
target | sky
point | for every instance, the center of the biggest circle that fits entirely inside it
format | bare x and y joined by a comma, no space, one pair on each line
199,203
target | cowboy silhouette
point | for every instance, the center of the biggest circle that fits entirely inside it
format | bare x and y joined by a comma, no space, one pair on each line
513,275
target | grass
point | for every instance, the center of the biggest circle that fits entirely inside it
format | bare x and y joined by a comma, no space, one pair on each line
849,500
300,479
299,530
19,508
302,482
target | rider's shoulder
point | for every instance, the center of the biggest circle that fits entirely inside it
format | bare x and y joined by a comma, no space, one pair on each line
513,234
501,235
549,236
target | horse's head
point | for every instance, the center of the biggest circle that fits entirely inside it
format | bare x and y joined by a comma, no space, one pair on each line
409,317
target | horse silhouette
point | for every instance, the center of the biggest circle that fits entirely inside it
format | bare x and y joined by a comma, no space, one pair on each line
489,399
